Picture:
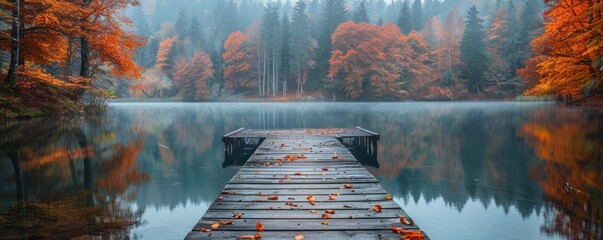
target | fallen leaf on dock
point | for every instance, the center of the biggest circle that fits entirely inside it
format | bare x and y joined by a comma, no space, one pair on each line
388,197
247,237
376,208
325,169
205,230
272,197
406,221
215,226
298,173
258,235
299,237
325,223
326,216
331,197
220,198
347,185
329,211
226,222
311,199
260,227
312,211
236,216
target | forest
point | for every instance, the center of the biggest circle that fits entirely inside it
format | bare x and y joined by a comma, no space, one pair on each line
73,55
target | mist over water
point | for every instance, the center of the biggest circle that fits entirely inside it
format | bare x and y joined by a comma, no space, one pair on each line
462,170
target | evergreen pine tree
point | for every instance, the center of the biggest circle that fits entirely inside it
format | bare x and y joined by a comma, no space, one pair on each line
195,33
361,14
182,25
333,14
474,56
285,49
299,42
404,21
416,15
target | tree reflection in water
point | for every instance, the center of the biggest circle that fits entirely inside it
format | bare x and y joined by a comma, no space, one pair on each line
571,171
70,178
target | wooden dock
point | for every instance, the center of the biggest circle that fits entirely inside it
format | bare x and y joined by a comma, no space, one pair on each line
303,182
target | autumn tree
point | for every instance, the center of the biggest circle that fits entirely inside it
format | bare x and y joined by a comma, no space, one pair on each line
474,57
448,53
166,56
375,62
191,76
569,52
237,62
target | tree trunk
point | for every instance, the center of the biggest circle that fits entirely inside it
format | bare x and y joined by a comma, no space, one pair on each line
11,77
15,159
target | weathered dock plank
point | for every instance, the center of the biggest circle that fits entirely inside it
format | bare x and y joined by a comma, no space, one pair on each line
303,182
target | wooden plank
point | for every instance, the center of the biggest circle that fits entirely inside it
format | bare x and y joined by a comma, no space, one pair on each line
309,187
314,224
301,181
233,133
302,214
269,205
375,190
302,198
327,235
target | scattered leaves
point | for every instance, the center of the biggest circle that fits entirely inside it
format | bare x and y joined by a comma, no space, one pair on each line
291,204
326,216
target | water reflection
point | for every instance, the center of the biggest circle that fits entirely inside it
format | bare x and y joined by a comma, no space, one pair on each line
67,178
488,168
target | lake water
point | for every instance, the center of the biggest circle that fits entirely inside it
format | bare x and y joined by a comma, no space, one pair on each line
461,170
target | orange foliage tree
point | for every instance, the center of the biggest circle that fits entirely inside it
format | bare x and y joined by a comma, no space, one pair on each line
570,51
376,61
166,56
191,76
48,29
238,57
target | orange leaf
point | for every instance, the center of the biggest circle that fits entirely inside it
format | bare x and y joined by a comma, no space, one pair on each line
215,226
325,169
299,237
347,185
406,221
325,216
236,216
388,197
330,211
272,197
313,211
205,230
325,223
311,199
258,235
376,208
260,227
247,237
297,173
331,197
226,222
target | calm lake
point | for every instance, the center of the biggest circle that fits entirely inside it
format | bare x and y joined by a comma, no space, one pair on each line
461,170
